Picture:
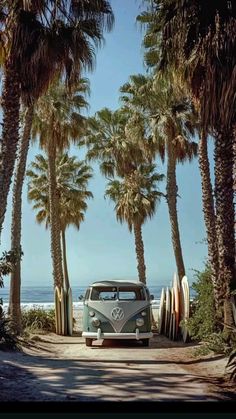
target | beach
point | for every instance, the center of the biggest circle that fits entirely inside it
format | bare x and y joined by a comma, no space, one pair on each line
62,368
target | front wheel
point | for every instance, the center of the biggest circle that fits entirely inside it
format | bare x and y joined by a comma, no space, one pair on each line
145,342
88,341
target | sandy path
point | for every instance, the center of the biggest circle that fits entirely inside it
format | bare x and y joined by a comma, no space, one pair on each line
63,368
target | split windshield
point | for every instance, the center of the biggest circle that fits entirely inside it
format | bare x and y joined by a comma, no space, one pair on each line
114,293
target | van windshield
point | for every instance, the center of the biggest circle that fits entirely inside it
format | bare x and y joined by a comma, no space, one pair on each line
114,293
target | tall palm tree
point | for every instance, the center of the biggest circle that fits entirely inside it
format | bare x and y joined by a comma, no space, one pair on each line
152,43
72,177
41,39
170,114
58,122
206,43
136,197
75,101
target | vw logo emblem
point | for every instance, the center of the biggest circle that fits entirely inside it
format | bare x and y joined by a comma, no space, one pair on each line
117,313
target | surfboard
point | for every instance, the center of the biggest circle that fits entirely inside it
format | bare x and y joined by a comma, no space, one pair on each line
55,305
69,312
57,310
173,330
63,318
161,316
186,299
176,288
172,314
168,309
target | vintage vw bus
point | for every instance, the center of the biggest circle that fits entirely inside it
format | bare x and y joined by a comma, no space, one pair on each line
117,310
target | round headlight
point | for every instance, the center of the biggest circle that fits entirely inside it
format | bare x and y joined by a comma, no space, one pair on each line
96,322
91,313
143,313
140,321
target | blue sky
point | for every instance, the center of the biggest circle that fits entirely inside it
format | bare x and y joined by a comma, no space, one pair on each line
104,249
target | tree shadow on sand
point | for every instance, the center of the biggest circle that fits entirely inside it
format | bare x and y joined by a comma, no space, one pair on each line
43,378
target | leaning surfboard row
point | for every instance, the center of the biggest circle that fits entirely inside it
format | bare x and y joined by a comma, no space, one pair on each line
63,311
174,310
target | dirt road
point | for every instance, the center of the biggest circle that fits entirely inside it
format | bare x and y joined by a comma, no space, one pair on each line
63,368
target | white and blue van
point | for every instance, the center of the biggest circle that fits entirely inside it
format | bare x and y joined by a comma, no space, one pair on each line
117,310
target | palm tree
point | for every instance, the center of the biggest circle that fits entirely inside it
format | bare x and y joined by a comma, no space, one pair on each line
206,53
170,114
152,43
57,122
110,143
75,101
136,198
72,177
41,39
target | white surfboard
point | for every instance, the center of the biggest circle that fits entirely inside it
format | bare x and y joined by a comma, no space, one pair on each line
176,288
161,319
186,301
168,311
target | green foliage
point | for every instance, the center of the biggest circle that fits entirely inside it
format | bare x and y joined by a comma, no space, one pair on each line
7,261
37,319
215,342
8,340
202,323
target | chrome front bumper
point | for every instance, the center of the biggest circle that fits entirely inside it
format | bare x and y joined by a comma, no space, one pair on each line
100,335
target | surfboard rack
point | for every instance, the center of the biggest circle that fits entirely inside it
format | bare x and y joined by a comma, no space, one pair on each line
174,310
63,311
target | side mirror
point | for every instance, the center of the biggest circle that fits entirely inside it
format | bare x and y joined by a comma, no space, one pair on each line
151,297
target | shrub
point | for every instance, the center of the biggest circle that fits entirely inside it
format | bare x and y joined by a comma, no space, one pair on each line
37,319
202,323
8,340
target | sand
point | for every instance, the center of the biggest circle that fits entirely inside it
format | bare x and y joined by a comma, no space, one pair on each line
62,368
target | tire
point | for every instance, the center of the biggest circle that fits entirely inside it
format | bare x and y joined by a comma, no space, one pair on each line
145,342
88,341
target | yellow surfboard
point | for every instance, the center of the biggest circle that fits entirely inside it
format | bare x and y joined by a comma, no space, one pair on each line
69,312
57,296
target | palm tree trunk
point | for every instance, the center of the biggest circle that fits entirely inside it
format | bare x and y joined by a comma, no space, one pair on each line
54,217
224,163
139,247
66,276
15,284
171,192
209,215
10,133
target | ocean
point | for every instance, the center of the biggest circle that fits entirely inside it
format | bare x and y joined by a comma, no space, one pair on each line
43,296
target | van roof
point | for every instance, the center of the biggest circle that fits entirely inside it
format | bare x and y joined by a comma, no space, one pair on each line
118,283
